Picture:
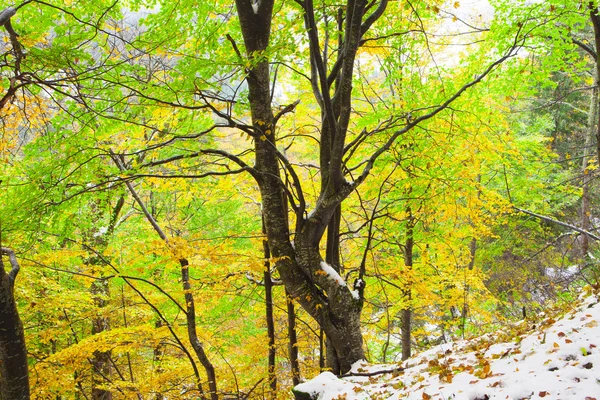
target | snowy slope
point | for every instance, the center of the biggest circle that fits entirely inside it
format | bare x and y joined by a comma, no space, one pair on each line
553,360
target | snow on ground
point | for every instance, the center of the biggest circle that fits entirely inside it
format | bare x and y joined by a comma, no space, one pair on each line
549,360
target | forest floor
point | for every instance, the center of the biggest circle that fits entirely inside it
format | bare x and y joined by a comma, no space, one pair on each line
555,358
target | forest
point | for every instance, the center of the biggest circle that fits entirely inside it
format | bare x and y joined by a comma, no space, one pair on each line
222,199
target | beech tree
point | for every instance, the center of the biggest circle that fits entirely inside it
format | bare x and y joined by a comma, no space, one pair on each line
312,279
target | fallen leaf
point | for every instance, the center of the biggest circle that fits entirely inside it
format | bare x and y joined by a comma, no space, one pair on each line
543,394
592,324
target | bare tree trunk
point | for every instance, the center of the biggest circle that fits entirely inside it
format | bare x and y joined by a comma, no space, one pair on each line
270,319
406,318
158,353
101,365
101,360
332,257
585,196
292,339
595,17
191,328
14,374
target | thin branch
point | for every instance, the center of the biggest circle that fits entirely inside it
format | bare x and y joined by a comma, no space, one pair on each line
13,262
585,47
555,221
374,373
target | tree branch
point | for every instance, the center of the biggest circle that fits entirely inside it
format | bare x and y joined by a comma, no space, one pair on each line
13,262
555,221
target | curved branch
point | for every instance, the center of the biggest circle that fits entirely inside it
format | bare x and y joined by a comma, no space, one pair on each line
373,17
588,49
555,221
13,262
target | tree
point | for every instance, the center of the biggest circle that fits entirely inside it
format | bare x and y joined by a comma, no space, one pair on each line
14,375
334,303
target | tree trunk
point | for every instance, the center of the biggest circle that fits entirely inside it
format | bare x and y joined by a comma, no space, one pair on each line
332,257
325,296
585,196
293,340
101,365
270,320
14,374
157,357
406,318
101,360
595,17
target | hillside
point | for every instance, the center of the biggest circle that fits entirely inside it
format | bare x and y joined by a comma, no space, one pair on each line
554,359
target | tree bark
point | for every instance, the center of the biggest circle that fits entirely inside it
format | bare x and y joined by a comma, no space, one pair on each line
332,257
101,364
14,373
101,360
270,320
585,196
595,17
406,318
292,340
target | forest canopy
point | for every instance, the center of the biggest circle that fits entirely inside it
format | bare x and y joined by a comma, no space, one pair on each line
220,199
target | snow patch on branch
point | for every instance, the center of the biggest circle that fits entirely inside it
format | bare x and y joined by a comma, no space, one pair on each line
101,232
255,5
332,273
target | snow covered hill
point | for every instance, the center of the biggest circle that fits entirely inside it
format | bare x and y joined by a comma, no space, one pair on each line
549,360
